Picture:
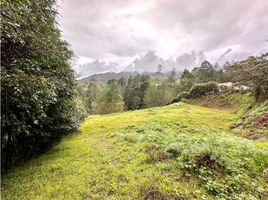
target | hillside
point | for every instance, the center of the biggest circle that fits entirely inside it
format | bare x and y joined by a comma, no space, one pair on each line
104,77
181,151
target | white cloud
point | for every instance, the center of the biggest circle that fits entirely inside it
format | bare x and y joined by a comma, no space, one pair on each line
120,30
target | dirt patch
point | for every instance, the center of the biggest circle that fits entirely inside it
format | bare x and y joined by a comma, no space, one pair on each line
206,161
155,154
215,101
253,135
153,193
262,121
263,97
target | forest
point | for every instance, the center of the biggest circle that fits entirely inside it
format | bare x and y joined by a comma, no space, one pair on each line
195,133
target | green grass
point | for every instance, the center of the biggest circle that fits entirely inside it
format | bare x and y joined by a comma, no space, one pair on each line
247,126
109,159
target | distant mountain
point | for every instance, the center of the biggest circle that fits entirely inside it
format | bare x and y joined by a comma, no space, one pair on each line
104,77
146,62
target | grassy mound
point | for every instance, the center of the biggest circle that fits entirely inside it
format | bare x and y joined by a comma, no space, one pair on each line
181,151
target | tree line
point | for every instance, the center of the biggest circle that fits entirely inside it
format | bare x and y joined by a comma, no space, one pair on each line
142,91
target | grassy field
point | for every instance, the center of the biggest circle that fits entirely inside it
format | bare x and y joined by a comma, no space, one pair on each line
181,151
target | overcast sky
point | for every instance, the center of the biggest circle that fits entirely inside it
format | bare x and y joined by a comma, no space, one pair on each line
121,30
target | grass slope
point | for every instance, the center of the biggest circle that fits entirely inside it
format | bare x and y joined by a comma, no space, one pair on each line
181,151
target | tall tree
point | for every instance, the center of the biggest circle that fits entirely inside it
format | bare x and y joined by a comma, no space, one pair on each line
187,80
37,83
135,91
152,96
204,73
172,76
111,101
93,94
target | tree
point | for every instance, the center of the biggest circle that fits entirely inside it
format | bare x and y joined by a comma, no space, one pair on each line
167,92
152,96
131,93
186,74
93,94
187,81
111,100
135,91
122,82
37,83
159,68
252,71
204,73
159,94
172,76
112,81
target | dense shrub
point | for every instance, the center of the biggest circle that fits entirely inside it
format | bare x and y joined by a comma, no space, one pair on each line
203,88
37,83
182,95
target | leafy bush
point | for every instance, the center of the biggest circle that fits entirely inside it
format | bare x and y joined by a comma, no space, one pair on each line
182,95
80,111
201,89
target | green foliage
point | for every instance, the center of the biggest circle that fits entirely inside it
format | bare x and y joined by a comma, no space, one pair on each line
152,96
203,74
252,71
254,122
160,94
135,91
37,83
138,92
111,100
187,81
243,100
201,89
91,95
172,76
181,96
80,111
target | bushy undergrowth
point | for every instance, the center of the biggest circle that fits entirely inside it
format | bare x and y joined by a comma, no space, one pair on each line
227,166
